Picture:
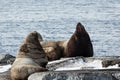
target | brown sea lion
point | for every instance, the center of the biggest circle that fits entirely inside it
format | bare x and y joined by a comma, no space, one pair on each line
79,43
30,58
62,44
39,37
51,49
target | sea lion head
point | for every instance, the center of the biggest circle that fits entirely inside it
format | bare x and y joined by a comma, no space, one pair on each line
31,48
80,31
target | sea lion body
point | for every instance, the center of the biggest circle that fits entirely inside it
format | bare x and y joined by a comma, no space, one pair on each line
31,58
79,44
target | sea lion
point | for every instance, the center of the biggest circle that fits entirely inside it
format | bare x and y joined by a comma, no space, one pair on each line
51,49
79,44
62,44
31,58
39,37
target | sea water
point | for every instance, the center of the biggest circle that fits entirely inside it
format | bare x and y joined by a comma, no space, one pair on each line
56,20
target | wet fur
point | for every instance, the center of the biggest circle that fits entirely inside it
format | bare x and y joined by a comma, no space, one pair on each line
52,50
79,43
30,58
62,45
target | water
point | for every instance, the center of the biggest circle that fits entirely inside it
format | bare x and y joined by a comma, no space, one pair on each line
56,20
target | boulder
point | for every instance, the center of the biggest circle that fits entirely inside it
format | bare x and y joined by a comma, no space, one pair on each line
85,73
81,74
5,75
6,59
112,62
74,75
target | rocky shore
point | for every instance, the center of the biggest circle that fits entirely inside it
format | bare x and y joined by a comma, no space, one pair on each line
86,71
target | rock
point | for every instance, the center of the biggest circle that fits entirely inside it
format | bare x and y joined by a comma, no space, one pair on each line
73,75
6,58
83,63
52,66
85,74
11,60
80,74
5,75
112,62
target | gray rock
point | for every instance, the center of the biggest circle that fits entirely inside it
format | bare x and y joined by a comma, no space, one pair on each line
72,75
6,59
106,61
112,62
5,75
10,61
62,63
85,74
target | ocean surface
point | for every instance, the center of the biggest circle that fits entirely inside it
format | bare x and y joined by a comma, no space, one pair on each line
57,19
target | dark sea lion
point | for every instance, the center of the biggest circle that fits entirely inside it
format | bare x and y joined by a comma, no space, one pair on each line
79,43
